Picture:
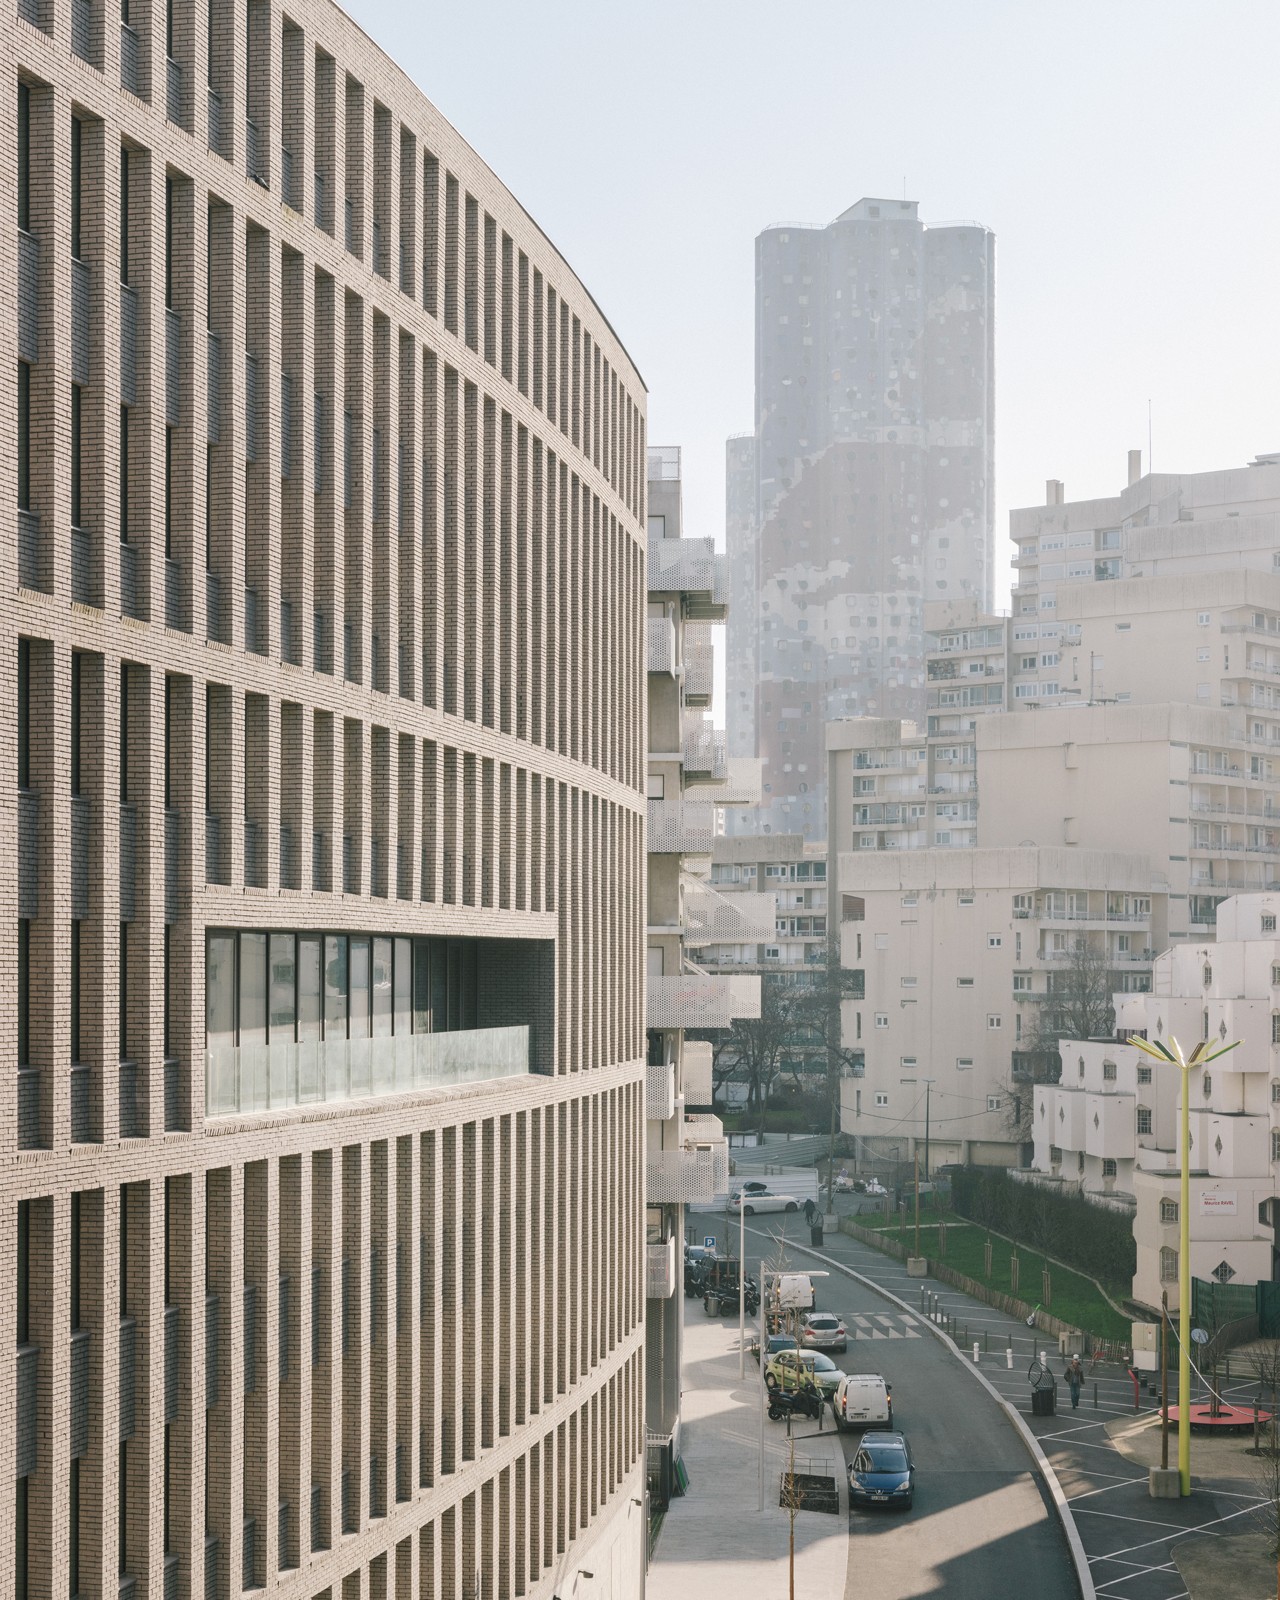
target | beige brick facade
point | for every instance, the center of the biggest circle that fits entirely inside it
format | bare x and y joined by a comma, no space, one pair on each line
325,623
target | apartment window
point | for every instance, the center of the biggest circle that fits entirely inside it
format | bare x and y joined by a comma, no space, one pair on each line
1144,1074
964,983
882,1019
994,1102
24,158
1208,1086
1208,974
124,475
75,455
1168,1211
994,1020
1275,977
911,900
964,898
882,1099
656,788
1109,1071
964,1063
1268,924
1275,1093
1168,1264
1203,619
1144,1122
24,992
1275,1027
908,983
907,1063
1108,1167
1021,983
24,436
994,941
1275,1144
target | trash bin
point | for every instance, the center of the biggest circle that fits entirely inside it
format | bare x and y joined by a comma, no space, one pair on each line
1044,1402
815,1233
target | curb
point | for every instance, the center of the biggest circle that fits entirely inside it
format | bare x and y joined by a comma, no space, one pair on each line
1084,1578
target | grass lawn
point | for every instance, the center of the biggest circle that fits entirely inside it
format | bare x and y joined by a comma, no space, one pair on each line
1073,1298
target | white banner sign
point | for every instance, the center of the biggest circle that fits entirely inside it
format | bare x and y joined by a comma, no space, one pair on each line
1217,1202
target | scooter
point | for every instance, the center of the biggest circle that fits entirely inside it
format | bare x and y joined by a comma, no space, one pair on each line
806,1401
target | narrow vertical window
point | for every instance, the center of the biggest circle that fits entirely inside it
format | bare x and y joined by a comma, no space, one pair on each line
168,492
21,1553
24,992
124,996
75,1000
124,733
77,662
168,953
24,1273
75,455
168,741
24,158
73,1549
124,474
124,215
24,436
168,244
75,1261
75,188
24,713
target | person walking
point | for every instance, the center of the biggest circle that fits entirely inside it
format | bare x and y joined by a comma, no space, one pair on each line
1075,1377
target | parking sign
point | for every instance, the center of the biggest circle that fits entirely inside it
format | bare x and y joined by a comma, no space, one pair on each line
708,1241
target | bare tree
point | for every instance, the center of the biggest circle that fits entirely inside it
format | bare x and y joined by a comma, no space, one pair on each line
753,1048
1077,1005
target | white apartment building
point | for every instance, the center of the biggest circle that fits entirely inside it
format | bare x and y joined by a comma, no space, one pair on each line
1114,1121
960,949
1160,524
689,777
787,874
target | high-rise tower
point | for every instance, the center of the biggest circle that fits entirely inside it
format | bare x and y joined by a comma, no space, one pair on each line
871,465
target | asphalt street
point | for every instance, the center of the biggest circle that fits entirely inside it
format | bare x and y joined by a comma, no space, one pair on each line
981,1525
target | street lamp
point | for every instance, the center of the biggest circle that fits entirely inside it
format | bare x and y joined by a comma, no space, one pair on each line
1201,1056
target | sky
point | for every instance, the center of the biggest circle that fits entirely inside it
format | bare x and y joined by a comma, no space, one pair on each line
1123,153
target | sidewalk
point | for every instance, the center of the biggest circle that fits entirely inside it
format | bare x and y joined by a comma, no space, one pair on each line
713,1540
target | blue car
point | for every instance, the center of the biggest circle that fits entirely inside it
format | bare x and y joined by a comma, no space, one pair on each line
882,1473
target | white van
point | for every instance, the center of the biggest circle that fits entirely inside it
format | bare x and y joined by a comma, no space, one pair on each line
862,1400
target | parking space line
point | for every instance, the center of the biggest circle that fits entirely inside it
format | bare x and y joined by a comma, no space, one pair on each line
1182,1533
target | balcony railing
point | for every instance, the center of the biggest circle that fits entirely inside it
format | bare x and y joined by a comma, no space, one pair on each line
660,1270
661,635
702,1000
739,918
659,1091
698,668
272,1077
695,1072
696,1170
705,757
691,568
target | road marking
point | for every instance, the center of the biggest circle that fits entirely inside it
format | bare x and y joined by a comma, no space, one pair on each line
1202,1527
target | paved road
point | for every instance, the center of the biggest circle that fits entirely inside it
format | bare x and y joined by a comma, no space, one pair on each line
980,1526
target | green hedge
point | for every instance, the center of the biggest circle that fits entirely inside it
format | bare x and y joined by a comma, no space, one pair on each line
1093,1238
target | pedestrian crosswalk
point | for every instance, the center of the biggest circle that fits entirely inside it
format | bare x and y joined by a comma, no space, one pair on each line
882,1325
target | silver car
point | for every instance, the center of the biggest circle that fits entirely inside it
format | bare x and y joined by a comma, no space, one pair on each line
823,1330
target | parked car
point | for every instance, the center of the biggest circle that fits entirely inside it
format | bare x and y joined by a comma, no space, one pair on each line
754,1200
882,1472
773,1346
862,1400
792,1369
823,1330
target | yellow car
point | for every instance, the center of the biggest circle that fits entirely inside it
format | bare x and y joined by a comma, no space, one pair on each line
789,1369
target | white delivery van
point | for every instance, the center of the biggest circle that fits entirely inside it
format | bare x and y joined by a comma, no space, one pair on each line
862,1400
795,1292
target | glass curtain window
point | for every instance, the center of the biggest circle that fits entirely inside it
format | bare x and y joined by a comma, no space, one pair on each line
253,989
382,988
358,1007
335,987
220,991
308,989
281,1016
404,987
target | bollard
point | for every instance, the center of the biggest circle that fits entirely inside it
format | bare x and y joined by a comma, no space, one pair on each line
1008,1358
975,1352
1044,1358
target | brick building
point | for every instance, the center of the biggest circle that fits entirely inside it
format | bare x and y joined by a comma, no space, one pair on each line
322,1102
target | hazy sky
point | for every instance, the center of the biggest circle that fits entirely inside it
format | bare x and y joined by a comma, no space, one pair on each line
1124,153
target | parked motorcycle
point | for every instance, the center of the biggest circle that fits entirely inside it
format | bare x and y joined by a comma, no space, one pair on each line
805,1401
